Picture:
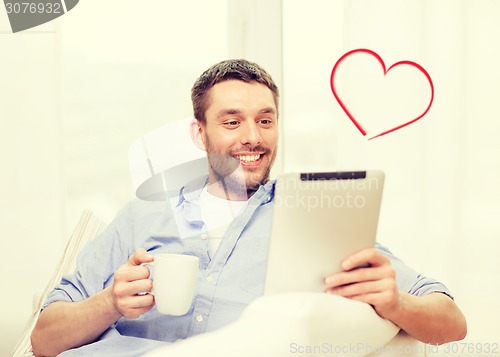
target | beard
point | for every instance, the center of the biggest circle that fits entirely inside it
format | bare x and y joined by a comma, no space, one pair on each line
228,171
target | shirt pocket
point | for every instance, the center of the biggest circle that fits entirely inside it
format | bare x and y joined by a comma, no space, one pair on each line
249,262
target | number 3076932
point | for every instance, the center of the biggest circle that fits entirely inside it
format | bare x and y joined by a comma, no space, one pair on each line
33,8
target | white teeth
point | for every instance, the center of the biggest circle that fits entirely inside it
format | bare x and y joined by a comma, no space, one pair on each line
249,158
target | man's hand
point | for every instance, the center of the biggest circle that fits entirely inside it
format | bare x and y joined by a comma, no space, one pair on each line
369,277
79,323
374,282
131,279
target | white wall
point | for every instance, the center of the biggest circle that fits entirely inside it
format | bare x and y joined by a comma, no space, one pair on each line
75,93
127,74
32,210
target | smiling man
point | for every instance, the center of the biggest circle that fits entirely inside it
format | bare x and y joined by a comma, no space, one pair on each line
239,131
224,220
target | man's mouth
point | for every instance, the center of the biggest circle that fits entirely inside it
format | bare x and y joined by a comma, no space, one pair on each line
249,159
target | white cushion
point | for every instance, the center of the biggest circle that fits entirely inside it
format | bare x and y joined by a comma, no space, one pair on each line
293,324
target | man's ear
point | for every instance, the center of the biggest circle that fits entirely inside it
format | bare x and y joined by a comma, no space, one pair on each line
197,134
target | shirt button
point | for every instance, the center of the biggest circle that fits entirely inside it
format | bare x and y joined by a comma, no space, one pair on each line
210,278
199,318
203,236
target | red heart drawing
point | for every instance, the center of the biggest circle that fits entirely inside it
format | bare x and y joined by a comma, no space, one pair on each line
374,54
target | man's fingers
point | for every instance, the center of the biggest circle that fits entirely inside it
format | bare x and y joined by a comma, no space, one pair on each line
364,257
359,275
371,286
352,276
135,306
131,273
139,257
130,280
133,288
136,302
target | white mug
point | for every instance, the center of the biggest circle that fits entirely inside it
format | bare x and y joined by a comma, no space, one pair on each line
174,282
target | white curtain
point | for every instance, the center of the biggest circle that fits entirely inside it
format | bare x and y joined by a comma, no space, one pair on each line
440,210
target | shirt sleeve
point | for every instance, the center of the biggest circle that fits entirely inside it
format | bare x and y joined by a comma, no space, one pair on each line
409,280
96,263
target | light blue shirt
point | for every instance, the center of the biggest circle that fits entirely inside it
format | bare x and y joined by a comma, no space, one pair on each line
228,281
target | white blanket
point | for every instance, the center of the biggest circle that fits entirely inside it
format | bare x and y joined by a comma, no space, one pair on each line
292,324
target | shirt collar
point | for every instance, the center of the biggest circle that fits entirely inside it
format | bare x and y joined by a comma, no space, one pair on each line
188,201
190,194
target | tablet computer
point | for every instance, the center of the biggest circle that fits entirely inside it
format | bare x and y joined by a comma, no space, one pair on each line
320,218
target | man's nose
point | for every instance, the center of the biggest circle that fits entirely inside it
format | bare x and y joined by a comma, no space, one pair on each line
251,134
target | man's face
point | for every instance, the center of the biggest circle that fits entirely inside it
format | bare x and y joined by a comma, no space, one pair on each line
241,133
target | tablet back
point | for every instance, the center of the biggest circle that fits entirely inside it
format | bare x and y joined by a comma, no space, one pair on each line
318,220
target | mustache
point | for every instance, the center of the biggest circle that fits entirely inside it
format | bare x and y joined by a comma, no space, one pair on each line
257,149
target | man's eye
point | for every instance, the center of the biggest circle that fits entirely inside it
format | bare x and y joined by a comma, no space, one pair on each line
232,123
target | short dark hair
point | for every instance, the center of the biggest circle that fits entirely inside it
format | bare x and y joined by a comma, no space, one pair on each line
239,69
